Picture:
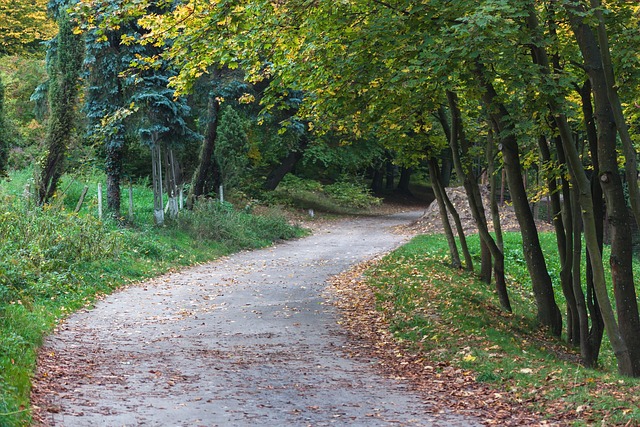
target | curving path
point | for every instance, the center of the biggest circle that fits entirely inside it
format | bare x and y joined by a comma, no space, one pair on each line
248,340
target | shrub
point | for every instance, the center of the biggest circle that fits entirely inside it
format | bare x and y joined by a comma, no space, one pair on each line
352,195
212,220
340,197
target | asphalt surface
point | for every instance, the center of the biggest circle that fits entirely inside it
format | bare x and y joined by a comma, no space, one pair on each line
248,340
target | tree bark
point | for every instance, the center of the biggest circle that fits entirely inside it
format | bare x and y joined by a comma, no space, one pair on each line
493,185
564,240
597,323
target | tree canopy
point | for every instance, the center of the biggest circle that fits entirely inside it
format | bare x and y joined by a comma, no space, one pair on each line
24,26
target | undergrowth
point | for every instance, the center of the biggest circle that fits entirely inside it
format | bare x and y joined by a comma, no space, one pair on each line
54,262
339,198
450,316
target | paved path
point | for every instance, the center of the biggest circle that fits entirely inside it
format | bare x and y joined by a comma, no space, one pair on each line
245,341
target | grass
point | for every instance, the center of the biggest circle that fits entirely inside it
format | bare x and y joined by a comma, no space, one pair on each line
450,316
54,262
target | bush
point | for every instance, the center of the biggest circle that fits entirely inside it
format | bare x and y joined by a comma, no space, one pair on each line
352,195
212,220
340,197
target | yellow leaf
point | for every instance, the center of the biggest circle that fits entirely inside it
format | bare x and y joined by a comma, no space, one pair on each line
469,358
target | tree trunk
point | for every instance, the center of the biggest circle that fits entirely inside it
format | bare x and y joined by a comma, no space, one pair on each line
564,240
156,166
207,170
468,260
377,181
287,164
597,323
171,182
493,186
548,312
114,177
446,167
4,143
439,193
403,182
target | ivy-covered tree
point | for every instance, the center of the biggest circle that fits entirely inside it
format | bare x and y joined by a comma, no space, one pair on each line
4,134
64,61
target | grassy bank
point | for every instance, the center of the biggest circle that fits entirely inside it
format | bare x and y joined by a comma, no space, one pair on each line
449,316
54,261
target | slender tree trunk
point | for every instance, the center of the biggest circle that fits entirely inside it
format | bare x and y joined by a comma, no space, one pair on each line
171,182
589,358
493,186
548,311
597,323
564,240
4,143
446,167
468,260
439,192
156,165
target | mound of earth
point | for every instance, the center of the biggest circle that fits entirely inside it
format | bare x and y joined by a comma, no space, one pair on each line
431,222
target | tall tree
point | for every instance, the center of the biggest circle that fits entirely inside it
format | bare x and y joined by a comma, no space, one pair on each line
4,134
64,64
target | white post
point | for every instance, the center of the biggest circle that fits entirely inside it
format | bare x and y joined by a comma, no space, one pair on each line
221,194
100,201
130,201
27,195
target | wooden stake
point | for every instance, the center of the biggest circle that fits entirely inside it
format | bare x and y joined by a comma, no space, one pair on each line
81,199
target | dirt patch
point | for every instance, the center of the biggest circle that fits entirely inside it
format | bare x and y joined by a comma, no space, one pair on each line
431,221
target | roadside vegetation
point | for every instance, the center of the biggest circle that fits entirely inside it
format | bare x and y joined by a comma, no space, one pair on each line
448,320
54,261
